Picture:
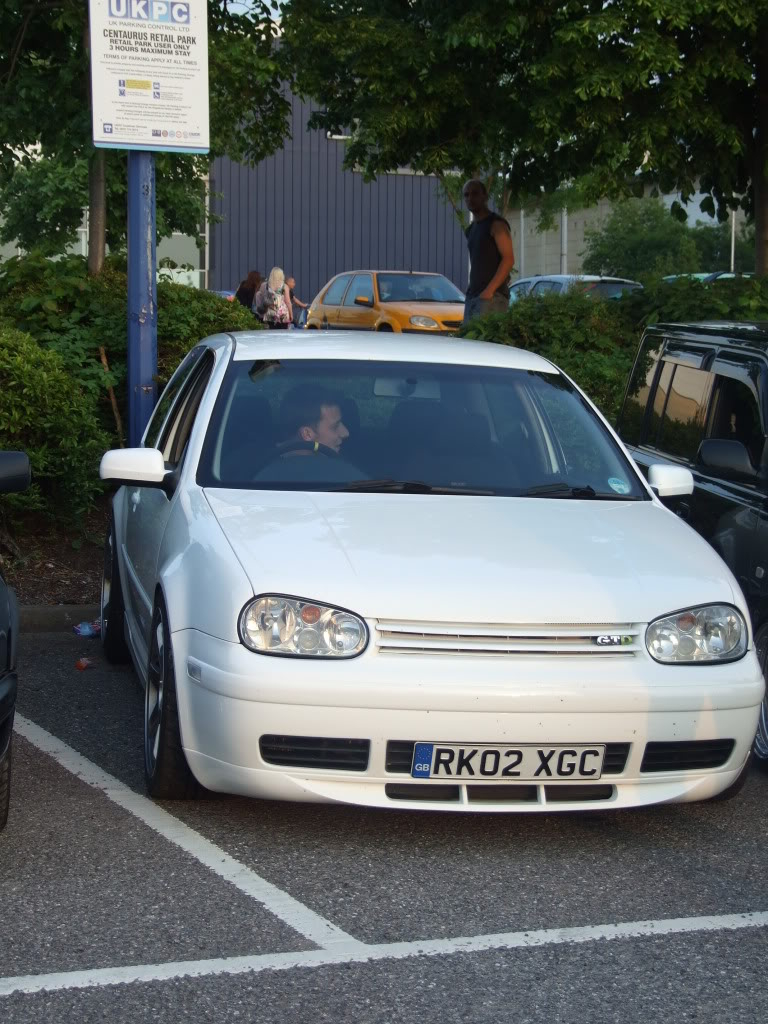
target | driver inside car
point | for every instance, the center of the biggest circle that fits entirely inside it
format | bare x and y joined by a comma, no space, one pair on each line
311,422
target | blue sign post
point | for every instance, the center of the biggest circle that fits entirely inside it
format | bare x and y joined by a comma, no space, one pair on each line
142,294
149,93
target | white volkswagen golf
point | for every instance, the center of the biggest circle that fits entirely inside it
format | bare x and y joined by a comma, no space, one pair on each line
416,573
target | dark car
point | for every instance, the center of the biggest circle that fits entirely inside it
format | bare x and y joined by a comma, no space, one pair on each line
698,397
14,476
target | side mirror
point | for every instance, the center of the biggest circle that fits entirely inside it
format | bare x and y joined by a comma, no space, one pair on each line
727,456
670,481
362,300
142,466
14,472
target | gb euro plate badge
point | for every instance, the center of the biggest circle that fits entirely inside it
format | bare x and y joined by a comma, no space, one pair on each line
524,762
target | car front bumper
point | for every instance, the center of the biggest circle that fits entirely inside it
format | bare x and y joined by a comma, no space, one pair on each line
230,697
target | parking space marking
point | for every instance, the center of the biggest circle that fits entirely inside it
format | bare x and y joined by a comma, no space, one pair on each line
361,953
295,914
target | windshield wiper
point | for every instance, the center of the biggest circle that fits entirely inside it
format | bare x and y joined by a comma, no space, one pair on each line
560,489
389,484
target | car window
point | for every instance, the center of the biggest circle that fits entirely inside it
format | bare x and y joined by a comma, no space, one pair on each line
175,435
542,287
362,285
638,391
608,289
300,424
336,290
735,416
684,414
417,288
167,398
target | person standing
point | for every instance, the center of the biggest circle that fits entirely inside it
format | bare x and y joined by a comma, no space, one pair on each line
491,255
299,307
248,288
272,301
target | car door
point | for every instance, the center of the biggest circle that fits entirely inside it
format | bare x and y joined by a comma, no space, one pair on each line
330,306
355,315
147,508
687,403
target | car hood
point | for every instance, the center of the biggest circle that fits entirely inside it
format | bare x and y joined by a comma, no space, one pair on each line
472,559
437,310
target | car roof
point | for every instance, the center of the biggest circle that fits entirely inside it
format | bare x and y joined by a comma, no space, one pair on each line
574,277
403,273
731,333
375,345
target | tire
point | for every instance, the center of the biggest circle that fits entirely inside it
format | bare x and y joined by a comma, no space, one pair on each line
5,777
760,747
166,771
112,606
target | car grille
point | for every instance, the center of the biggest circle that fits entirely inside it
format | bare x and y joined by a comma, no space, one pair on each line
686,755
400,757
452,324
315,752
502,794
567,639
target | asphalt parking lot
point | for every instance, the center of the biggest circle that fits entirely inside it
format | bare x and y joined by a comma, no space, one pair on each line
117,908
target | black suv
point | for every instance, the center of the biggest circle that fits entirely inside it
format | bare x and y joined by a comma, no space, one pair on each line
14,476
698,397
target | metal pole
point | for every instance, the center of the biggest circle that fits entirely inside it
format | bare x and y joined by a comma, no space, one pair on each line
733,240
521,262
563,241
142,293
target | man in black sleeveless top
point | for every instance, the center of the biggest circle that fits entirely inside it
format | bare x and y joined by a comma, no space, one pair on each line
491,255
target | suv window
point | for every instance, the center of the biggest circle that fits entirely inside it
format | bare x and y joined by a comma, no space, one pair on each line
683,419
735,416
336,290
640,383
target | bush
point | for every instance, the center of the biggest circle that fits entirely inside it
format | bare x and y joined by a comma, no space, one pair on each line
44,412
68,312
588,339
595,341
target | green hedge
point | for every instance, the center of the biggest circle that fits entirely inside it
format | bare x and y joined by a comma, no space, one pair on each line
595,341
589,340
66,311
45,412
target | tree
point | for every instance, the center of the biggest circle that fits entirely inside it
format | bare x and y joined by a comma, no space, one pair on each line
620,95
714,245
639,238
49,169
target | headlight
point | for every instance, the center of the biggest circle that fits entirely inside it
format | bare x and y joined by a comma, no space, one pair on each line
423,321
713,632
273,624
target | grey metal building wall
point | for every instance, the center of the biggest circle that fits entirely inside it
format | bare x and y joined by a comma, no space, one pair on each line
300,211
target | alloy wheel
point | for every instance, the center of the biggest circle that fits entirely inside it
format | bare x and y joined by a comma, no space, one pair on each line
153,702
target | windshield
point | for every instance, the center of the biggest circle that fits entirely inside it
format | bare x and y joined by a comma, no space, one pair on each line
319,425
608,289
417,288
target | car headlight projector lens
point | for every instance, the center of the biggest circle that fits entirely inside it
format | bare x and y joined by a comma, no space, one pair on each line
714,632
273,624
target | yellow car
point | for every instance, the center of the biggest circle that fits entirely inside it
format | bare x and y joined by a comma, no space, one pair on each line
388,300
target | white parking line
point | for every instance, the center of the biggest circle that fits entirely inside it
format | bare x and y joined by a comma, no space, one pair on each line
303,920
31,984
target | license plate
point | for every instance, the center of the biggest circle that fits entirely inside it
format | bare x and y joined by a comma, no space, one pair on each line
523,762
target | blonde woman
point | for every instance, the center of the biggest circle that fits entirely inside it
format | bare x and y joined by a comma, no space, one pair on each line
272,301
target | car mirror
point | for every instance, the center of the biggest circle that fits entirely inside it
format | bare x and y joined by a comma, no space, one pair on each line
14,472
142,466
362,300
727,456
670,481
